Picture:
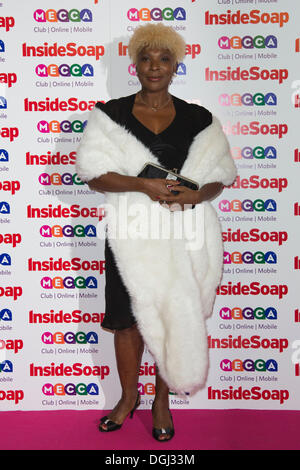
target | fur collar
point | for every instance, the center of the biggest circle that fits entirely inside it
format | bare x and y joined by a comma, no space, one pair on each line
172,288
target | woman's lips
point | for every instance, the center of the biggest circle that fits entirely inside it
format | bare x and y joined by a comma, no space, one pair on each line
154,79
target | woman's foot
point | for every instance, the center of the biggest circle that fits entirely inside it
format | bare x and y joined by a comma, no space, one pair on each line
121,410
162,419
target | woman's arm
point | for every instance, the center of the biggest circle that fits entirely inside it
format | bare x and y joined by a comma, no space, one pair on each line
115,182
155,188
209,191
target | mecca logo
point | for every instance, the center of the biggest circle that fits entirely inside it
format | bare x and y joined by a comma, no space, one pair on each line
255,128
71,49
248,257
248,99
248,313
156,14
66,179
254,73
70,338
68,231
69,282
258,153
253,17
255,181
5,259
2,46
4,208
7,22
46,127
247,205
248,365
254,235
4,155
62,15
180,70
64,70
248,42
5,315
3,103
6,367
70,389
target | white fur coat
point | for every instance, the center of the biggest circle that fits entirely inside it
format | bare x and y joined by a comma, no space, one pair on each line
172,288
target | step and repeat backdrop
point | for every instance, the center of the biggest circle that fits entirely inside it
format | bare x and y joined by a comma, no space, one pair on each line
56,60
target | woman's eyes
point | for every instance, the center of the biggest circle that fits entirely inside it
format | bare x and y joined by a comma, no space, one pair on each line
164,59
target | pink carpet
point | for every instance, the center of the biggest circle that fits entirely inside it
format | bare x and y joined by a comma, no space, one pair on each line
195,429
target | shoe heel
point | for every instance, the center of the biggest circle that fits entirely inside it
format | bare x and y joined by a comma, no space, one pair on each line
137,403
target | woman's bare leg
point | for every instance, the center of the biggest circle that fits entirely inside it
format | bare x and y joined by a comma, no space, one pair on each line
129,347
160,407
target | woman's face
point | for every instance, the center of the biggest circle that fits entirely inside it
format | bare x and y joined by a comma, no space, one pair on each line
155,68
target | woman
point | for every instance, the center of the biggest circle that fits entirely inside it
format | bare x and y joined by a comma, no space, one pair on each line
122,135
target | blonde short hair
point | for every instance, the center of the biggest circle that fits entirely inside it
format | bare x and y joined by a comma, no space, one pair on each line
160,36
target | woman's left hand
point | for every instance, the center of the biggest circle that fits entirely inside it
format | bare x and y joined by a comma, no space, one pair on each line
186,196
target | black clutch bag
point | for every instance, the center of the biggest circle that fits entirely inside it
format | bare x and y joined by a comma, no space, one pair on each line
151,170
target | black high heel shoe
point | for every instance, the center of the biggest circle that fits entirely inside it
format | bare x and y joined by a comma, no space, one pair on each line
157,432
111,425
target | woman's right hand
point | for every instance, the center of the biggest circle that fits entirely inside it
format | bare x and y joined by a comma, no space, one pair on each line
157,190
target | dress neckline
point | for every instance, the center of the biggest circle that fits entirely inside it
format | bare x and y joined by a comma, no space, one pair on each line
147,128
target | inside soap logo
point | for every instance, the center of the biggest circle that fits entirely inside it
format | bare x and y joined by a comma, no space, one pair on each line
7,22
64,16
253,17
156,14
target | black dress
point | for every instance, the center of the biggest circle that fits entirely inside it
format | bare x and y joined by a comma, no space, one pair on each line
171,147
